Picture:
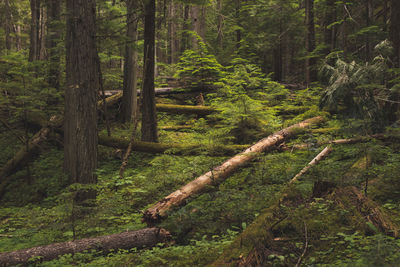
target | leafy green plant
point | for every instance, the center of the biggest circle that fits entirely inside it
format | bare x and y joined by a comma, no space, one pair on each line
242,102
199,68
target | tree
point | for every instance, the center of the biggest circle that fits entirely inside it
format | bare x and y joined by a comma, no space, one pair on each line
395,31
129,99
53,37
149,115
310,42
34,46
82,84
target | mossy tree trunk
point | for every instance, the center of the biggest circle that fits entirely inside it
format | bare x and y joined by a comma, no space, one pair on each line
147,237
149,115
82,85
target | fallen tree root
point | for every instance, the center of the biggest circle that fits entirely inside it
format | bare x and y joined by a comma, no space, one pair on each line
147,237
220,173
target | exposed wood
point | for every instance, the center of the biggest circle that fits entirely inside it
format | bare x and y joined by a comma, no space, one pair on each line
147,237
315,161
220,173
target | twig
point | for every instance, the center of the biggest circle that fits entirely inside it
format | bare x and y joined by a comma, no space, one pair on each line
305,246
129,149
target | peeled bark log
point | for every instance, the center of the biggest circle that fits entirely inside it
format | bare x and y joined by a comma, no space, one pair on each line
315,161
147,237
220,173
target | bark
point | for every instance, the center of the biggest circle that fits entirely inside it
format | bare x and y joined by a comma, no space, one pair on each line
311,73
220,173
185,35
53,37
220,22
394,32
195,18
129,99
149,115
150,147
24,154
330,32
172,33
7,24
239,24
315,161
185,109
82,85
143,238
34,45
368,209
368,21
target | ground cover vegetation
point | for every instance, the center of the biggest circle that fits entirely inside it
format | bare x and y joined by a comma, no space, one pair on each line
109,110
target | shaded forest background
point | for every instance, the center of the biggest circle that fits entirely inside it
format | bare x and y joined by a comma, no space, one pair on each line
109,106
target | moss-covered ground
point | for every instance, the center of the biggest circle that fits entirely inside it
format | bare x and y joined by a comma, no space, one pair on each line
251,218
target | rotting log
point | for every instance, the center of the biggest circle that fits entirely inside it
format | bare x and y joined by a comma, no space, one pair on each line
369,210
220,173
253,246
24,153
147,237
150,147
185,109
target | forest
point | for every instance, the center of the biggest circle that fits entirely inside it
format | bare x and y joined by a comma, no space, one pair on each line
199,133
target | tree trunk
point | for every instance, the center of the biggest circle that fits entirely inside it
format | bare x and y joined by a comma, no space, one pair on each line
394,32
149,115
239,24
129,99
195,16
185,36
369,15
7,24
144,238
330,32
220,22
34,45
82,85
220,173
53,38
172,30
311,73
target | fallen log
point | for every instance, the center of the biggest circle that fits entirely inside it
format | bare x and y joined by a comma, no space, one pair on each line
185,109
313,162
220,173
24,153
150,147
147,237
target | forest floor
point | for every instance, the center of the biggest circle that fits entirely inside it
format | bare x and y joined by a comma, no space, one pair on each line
252,218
